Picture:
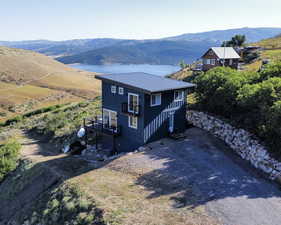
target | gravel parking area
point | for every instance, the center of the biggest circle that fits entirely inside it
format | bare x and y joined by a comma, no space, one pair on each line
230,189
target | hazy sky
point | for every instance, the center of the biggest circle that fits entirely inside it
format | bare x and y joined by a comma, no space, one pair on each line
137,19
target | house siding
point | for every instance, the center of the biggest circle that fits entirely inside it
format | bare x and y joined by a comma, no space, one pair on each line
156,119
130,138
211,55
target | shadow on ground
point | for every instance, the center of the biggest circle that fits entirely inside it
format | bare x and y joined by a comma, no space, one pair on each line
204,171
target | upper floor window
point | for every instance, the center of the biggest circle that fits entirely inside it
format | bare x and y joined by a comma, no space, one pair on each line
178,95
113,89
133,103
120,91
155,99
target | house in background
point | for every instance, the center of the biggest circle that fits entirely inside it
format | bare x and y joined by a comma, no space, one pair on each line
138,108
220,56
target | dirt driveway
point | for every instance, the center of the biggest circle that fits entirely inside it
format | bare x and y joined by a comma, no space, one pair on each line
227,186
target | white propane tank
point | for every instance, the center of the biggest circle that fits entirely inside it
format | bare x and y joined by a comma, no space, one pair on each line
81,132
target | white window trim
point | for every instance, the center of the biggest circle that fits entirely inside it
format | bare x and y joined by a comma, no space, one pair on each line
182,96
213,62
120,92
156,104
135,127
112,111
113,89
129,101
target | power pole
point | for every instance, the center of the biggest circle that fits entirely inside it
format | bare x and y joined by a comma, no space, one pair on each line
224,46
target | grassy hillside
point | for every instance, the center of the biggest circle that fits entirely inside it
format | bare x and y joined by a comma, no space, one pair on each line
270,43
271,51
29,80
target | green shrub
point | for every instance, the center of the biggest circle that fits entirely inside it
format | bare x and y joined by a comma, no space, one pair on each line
271,70
251,100
217,89
9,155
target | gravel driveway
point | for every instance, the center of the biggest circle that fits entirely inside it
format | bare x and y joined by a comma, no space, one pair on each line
230,189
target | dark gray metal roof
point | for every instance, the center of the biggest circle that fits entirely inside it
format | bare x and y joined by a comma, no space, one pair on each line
145,82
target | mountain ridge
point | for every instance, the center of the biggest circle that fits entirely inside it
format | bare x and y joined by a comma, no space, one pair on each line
187,47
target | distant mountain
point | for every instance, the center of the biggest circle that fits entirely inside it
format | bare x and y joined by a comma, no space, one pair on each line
252,34
151,52
169,50
58,48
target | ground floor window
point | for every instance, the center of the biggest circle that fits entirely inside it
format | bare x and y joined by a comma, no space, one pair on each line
109,118
133,122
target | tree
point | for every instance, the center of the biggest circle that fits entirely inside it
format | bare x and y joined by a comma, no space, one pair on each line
236,41
183,65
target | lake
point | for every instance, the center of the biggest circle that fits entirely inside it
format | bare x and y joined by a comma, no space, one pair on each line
160,70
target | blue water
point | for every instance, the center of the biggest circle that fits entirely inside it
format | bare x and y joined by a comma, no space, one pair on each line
160,70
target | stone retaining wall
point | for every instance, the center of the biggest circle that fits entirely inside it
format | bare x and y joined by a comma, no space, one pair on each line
241,141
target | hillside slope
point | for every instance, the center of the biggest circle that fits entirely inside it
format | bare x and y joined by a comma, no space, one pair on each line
30,80
271,51
270,43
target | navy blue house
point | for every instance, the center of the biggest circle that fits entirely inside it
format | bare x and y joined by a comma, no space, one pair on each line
138,108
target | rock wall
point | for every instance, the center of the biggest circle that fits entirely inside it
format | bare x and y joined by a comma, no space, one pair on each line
241,141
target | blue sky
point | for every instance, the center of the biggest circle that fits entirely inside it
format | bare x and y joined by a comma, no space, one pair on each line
136,19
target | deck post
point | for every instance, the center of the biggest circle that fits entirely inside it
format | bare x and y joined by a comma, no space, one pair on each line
86,131
96,122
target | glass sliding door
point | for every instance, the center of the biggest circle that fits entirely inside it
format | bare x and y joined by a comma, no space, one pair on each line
109,119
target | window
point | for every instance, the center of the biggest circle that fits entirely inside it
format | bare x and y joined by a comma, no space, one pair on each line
178,95
113,89
133,122
213,62
133,103
121,91
155,99
109,119
230,62
206,61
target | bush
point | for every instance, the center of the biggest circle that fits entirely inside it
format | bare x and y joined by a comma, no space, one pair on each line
271,70
251,100
217,89
9,154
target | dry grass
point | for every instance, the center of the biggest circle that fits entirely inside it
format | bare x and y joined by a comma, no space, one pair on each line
30,80
270,43
182,74
273,55
255,66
